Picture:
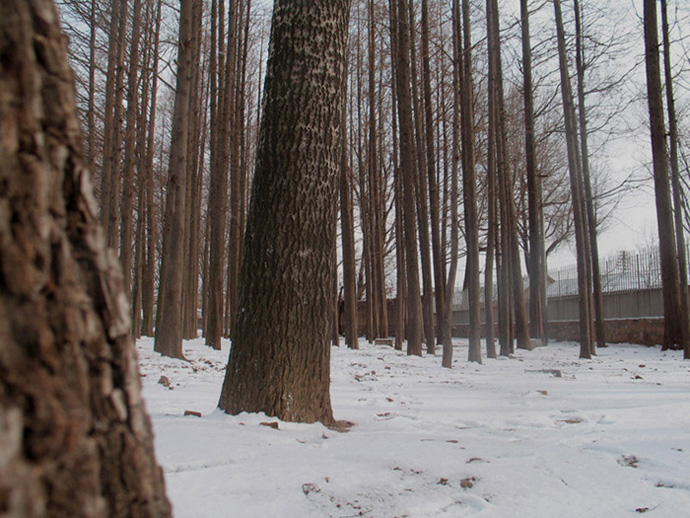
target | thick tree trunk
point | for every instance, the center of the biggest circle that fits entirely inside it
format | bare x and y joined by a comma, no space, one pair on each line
75,439
283,368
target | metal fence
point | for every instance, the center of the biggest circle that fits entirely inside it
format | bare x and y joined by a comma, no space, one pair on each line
624,271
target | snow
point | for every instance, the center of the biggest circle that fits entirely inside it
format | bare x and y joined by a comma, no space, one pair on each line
541,434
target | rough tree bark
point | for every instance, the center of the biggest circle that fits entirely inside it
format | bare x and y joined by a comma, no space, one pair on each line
75,439
279,363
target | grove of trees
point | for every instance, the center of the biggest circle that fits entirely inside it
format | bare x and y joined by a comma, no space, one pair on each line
384,159
470,138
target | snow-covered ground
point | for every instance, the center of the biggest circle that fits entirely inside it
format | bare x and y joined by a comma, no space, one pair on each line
542,434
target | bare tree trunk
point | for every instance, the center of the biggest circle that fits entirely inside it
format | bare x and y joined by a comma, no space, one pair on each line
677,189
431,161
580,217
127,220
510,289
283,369
195,146
168,318
598,299
401,284
110,137
91,115
218,192
491,238
113,155
536,266
236,193
149,281
421,195
469,181
377,293
673,319
350,315
446,330
402,73
75,438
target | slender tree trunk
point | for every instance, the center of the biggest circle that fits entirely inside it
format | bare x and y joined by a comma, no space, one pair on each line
195,146
350,315
402,73
598,298
431,161
577,192
401,285
149,281
76,440
127,220
377,293
283,369
168,340
677,189
112,74
536,266
446,330
113,155
469,182
421,195
673,319
236,193
91,115
218,191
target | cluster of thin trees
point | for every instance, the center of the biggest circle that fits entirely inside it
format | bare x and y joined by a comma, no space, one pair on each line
71,412
438,145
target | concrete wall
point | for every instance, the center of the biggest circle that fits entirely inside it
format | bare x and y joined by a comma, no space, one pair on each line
631,317
627,304
644,331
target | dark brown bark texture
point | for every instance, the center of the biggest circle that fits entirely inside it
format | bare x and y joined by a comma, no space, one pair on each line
279,362
74,436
